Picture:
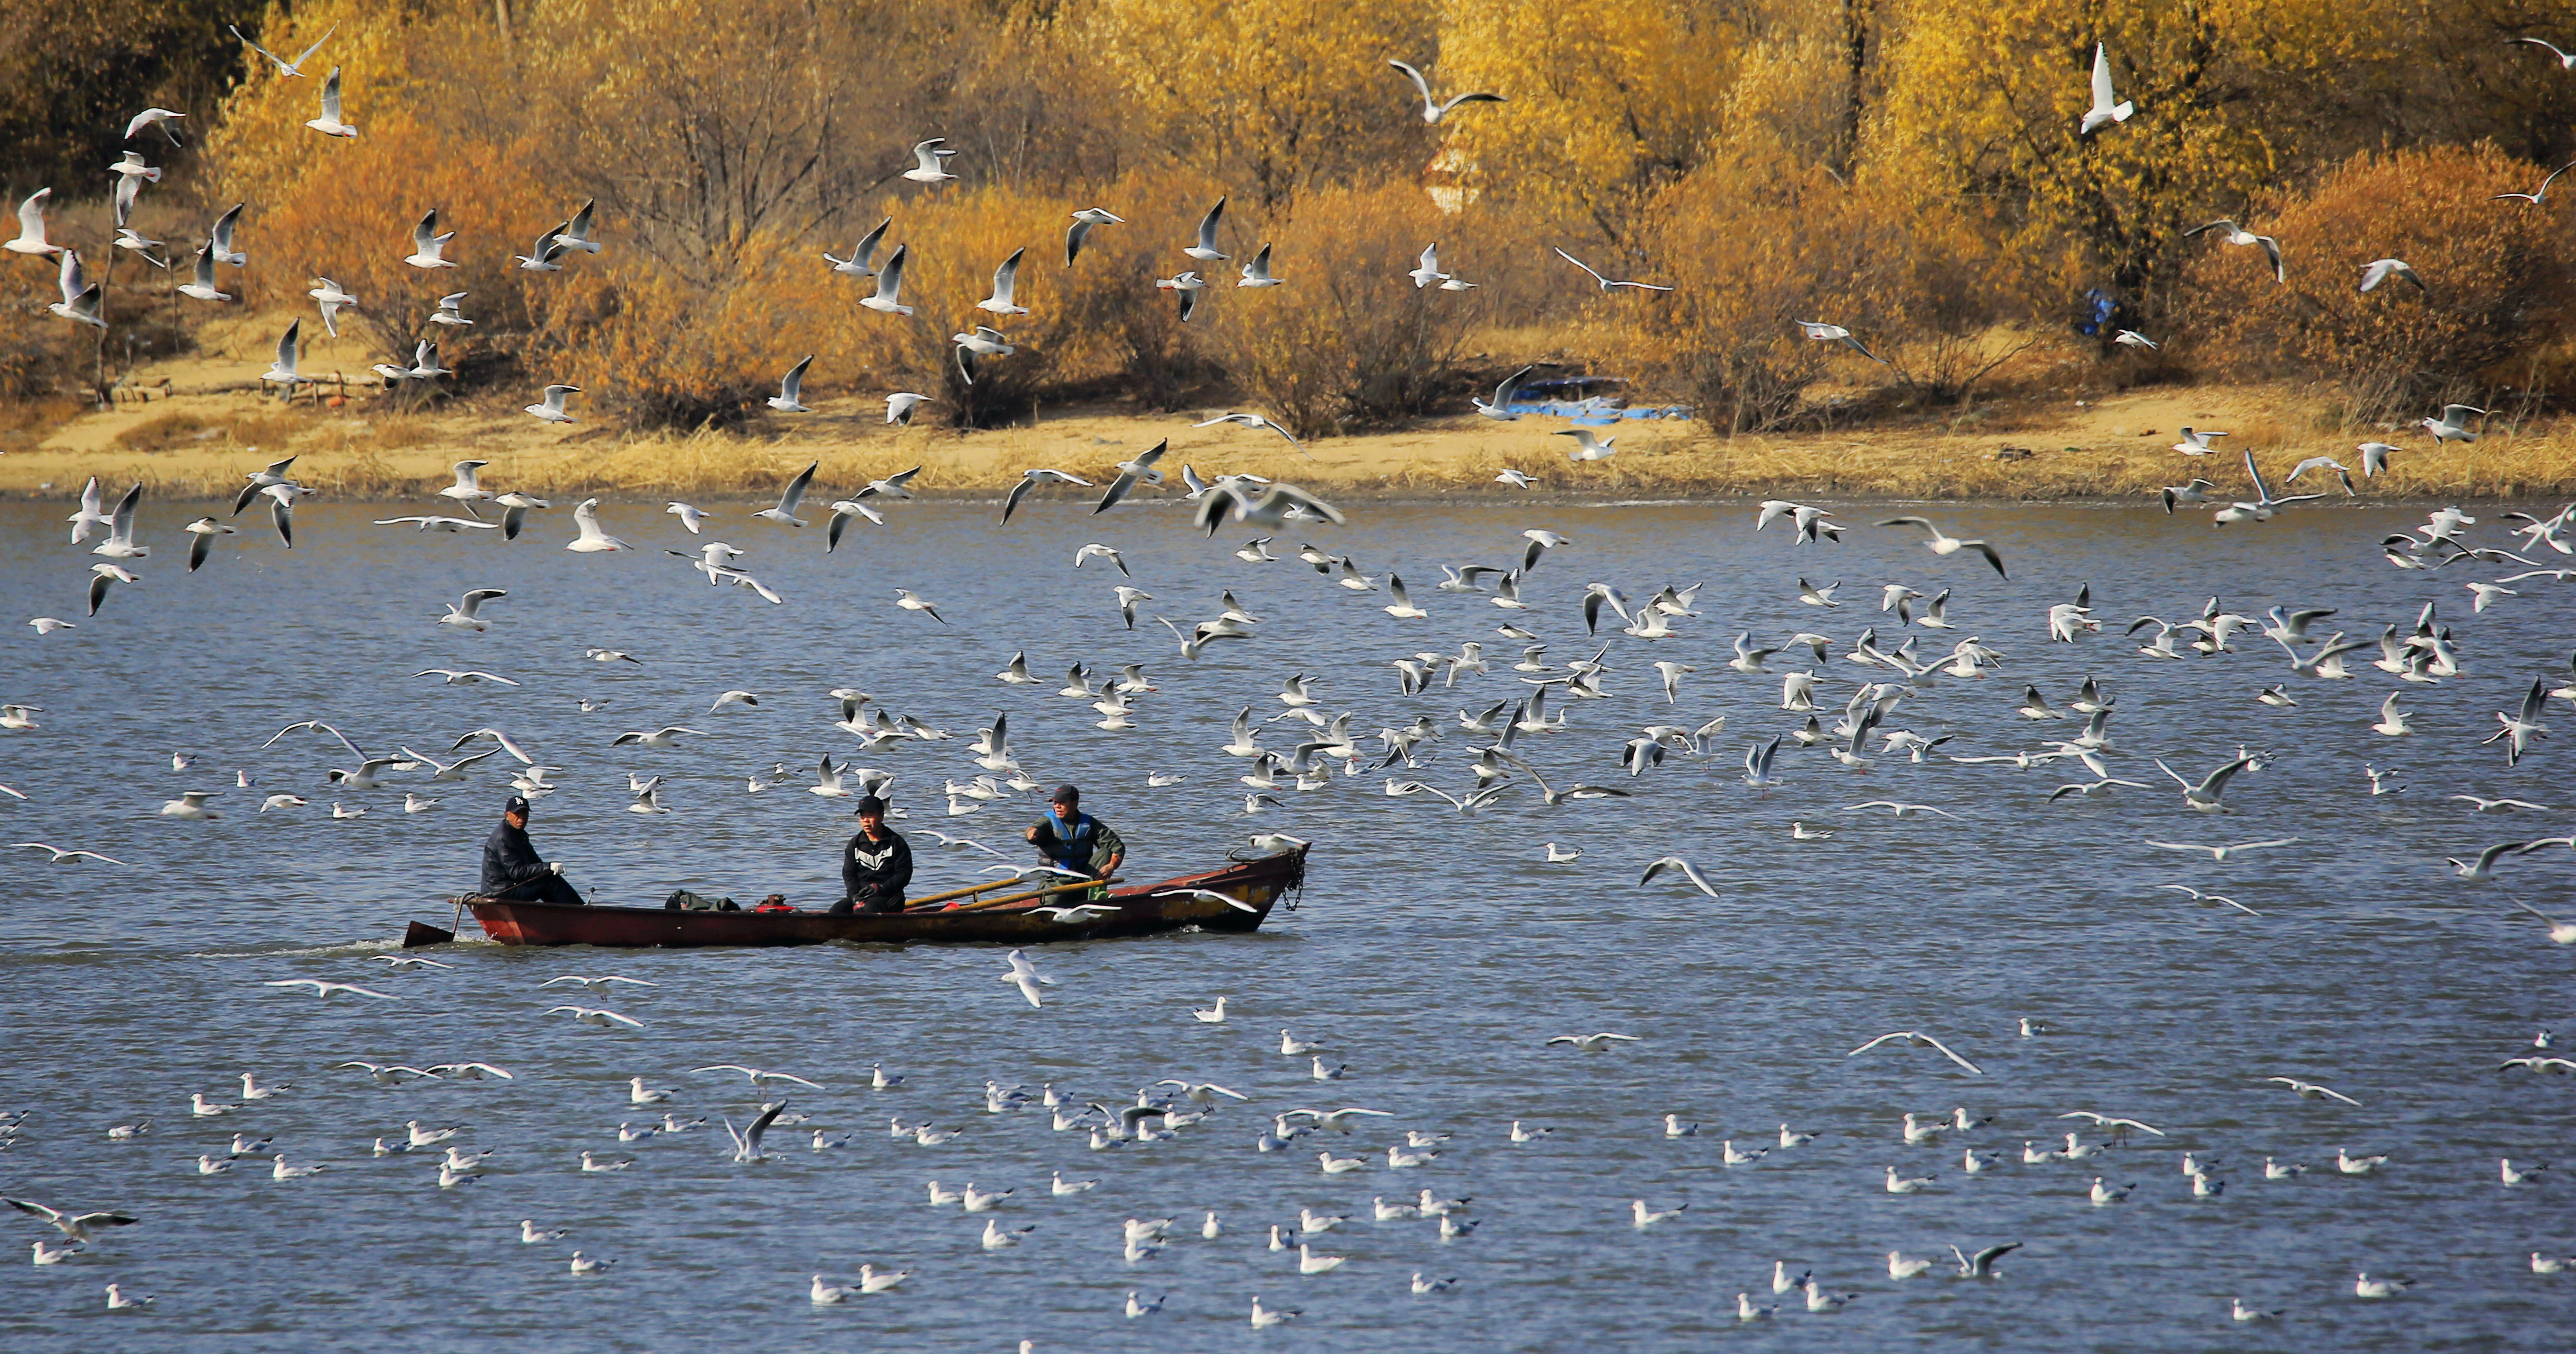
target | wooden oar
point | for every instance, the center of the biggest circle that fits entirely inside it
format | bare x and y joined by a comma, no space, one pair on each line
989,904
954,894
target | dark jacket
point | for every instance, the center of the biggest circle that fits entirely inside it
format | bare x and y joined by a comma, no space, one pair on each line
509,859
874,874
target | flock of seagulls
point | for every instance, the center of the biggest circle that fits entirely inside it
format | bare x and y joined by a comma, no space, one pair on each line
1302,748
1907,700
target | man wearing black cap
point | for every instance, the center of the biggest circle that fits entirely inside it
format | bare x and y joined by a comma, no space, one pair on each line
1073,840
511,871
876,867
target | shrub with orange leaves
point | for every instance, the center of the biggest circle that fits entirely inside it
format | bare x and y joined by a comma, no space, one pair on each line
352,221
1085,324
1346,341
2496,282
1756,245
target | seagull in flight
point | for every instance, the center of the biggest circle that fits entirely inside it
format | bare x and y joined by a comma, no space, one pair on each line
1005,281
1919,1040
746,1141
74,1225
329,123
2237,235
551,408
1083,221
1944,544
1606,283
1500,408
794,494
760,1077
2199,897
60,855
2566,60
858,263
790,398
2209,794
324,990
1822,332
1982,1264
285,69
1205,250
929,162
154,117
1432,109
2107,107
2217,853
1685,868
31,227
1029,480
2312,1091
2534,197
2380,270
1255,421
598,984
890,285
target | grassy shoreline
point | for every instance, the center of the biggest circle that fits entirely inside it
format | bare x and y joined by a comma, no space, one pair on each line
2120,448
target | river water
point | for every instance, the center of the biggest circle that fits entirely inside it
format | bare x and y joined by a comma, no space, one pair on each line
1434,953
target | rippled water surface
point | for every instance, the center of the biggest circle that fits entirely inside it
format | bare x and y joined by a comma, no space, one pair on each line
1434,952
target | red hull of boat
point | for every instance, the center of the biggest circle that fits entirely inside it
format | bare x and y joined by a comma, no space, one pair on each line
1257,883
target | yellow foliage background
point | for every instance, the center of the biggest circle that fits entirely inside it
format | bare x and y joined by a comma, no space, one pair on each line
1908,168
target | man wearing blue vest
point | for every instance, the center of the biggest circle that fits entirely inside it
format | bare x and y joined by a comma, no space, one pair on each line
1073,840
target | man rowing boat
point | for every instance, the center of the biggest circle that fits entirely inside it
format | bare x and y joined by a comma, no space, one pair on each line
1073,840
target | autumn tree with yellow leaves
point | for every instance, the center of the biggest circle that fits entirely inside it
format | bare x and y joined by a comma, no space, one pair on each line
1912,169
1611,101
1280,95
2233,97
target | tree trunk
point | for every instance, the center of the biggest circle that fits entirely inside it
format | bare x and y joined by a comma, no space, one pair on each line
501,17
1857,15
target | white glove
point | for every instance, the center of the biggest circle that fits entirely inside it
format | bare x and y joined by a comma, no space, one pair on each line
556,866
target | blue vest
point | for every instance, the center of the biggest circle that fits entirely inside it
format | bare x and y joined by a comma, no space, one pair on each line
1071,846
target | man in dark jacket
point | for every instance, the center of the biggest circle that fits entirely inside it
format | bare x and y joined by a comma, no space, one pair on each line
511,871
876,866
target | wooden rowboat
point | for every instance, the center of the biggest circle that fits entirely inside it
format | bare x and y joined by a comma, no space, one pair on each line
1253,885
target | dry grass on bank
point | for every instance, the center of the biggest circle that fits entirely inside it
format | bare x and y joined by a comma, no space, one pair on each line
198,445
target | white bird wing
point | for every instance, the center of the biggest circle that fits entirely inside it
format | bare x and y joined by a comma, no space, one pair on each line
890,277
1946,1053
309,51
31,214
1419,83
795,491
1007,276
2103,96
1582,265
760,1127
